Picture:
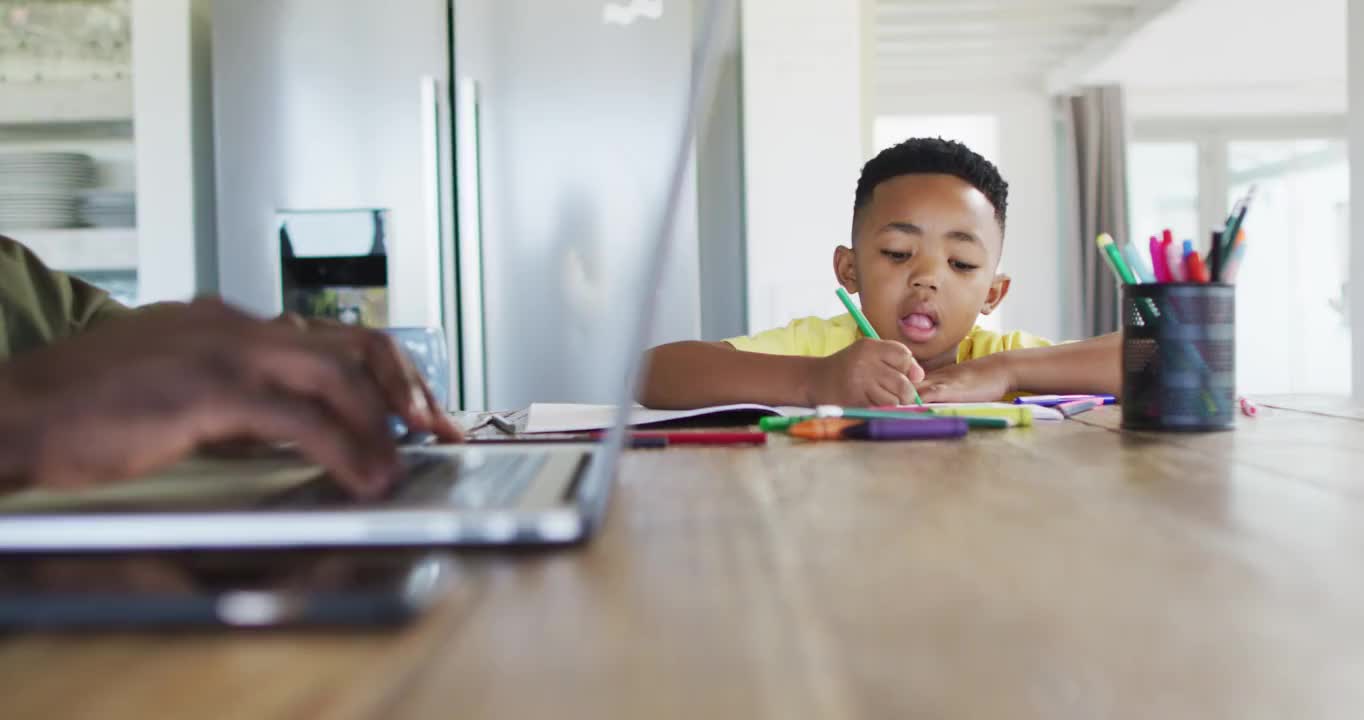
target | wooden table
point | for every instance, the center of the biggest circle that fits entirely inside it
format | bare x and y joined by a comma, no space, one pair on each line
1067,571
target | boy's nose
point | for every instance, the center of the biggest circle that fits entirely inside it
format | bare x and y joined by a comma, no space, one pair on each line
927,273
926,281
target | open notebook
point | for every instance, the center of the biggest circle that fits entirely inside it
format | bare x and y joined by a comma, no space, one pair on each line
567,417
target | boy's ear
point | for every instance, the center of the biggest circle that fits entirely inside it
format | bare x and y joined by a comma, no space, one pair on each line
845,268
999,287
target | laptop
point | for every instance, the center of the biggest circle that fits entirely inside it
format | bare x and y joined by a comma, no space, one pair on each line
470,495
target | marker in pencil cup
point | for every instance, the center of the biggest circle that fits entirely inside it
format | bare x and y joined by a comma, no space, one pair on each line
1178,355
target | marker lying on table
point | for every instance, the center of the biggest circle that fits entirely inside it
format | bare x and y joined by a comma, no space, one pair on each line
1054,400
694,437
1075,407
634,443
901,429
995,418
987,416
867,329
781,424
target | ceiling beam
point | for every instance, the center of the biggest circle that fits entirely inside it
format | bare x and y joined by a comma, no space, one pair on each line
1049,54
1033,4
1070,73
890,92
887,18
1055,31
939,44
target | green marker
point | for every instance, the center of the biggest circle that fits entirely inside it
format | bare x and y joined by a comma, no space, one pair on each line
866,328
831,411
780,424
1110,248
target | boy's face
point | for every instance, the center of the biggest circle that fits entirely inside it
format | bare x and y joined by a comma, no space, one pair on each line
923,260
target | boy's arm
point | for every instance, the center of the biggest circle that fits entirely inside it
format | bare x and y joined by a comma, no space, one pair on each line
698,374
1088,366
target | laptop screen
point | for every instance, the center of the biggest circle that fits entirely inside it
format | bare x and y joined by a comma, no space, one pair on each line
637,322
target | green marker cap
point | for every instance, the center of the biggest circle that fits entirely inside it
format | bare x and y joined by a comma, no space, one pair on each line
779,424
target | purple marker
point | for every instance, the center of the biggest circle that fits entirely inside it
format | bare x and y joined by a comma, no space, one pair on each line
917,429
1054,400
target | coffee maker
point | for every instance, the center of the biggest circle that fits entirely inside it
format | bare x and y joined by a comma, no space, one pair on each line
334,264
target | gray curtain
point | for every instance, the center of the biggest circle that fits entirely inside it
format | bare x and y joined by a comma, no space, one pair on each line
1094,137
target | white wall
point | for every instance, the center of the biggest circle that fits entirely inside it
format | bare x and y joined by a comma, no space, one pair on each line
1356,85
172,111
1027,160
803,149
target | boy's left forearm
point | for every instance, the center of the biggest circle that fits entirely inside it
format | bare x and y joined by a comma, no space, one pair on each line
1087,366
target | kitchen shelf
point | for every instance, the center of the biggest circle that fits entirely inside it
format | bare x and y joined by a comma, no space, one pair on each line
81,249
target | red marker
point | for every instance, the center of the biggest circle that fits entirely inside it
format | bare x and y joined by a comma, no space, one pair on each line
1194,269
698,438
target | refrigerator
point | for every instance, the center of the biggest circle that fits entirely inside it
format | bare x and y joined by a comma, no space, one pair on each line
519,151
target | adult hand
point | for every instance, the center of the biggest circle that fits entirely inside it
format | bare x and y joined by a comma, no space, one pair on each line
136,394
402,384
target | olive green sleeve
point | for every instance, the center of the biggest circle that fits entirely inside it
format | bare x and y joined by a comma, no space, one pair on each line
39,305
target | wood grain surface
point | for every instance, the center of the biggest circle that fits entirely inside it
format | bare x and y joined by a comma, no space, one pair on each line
1064,571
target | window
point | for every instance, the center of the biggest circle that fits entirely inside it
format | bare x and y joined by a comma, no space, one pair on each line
1293,333
1162,189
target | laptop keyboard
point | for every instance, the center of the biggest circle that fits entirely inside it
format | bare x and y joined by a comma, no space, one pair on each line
468,481
480,480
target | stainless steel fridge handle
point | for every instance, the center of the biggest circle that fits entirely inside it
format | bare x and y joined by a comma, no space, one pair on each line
469,243
438,267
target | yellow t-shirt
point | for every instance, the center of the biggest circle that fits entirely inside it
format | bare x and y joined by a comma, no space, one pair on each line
818,337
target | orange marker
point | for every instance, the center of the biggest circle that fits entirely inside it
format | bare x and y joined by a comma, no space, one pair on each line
822,428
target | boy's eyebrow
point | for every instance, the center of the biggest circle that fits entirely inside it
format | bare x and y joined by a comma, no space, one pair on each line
904,227
911,229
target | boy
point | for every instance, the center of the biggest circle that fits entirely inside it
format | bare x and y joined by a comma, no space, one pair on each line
927,234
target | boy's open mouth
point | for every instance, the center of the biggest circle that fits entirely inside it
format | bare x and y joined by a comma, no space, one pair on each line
919,327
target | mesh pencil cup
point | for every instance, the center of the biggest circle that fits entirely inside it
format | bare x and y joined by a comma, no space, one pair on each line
1178,356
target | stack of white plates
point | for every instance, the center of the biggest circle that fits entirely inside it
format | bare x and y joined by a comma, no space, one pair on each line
38,190
37,209
108,208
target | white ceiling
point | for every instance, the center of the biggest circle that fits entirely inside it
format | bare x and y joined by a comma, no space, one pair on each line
992,44
1201,57
1234,56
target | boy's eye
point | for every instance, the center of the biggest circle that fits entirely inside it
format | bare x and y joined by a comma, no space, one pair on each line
964,267
895,255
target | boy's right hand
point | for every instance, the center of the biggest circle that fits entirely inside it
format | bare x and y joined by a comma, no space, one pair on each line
866,373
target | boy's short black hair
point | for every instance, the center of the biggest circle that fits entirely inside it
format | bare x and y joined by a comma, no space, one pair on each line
925,156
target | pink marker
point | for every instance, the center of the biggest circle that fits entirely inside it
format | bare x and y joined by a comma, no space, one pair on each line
1075,407
1174,262
1159,263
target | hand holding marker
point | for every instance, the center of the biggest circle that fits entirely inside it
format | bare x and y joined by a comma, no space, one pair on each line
866,327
